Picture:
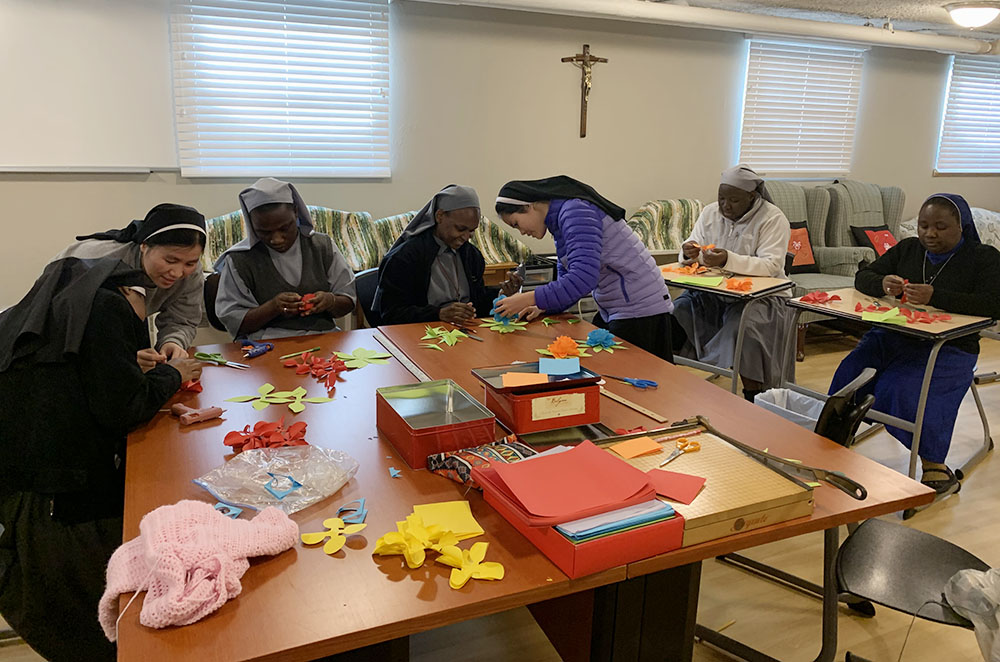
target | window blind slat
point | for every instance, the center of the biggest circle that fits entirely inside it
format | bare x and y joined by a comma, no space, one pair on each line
800,107
969,140
281,88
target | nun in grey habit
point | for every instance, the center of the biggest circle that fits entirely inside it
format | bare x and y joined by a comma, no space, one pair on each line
263,278
751,238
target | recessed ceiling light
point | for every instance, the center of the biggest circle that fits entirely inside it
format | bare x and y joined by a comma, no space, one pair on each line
973,14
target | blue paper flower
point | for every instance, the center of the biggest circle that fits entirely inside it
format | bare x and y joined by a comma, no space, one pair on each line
600,337
497,316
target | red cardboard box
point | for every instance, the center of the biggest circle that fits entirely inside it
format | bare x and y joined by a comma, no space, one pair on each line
524,413
579,560
431,417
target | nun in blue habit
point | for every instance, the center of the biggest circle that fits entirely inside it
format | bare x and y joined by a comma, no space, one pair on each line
945,266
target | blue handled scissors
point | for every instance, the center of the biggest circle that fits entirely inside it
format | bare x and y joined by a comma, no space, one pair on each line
638,383
217,359
254,348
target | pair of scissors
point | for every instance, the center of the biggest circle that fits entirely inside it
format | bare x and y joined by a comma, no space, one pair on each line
467,331
217,359
253,348
684,445
638,383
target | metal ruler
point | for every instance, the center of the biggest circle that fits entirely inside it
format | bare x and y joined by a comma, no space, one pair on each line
632,405
398,354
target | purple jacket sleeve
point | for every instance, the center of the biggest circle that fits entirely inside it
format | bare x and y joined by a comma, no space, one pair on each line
581,230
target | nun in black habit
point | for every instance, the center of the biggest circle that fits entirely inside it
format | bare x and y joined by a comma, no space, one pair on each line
70,390
432,272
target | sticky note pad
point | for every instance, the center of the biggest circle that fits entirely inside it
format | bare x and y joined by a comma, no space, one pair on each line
559,366
523,378
454,516
675,486
705,281
636,447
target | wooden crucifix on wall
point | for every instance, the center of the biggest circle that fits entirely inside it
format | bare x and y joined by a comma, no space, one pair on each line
586,62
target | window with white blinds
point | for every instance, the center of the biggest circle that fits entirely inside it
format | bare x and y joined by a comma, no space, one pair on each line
273,88
800,108
970,130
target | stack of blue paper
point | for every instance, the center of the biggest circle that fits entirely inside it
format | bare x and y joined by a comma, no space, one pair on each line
616,521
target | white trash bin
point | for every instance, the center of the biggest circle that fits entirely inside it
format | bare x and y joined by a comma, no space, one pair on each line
793,406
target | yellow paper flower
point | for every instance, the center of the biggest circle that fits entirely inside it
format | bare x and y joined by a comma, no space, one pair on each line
468,564
412,539
336,531
564,347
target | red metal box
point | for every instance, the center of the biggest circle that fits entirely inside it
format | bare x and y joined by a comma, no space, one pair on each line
431,417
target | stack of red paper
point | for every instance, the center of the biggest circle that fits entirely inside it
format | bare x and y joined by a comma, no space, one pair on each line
536,494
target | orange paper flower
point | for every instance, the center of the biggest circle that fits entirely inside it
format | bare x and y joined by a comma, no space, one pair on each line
739,285
564,347
690,270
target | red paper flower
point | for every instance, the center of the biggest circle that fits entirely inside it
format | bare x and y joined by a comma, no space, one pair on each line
326,371
307,301
820,297
267,435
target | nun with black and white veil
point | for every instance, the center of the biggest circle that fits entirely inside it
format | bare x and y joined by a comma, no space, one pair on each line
433,272
751,239
70,391
167,245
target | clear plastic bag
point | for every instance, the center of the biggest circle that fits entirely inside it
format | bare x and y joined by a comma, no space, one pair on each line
791,405
289,479
975,595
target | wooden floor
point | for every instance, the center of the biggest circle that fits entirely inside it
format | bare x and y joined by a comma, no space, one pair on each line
779,621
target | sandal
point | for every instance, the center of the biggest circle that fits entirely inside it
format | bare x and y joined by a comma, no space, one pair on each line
940,485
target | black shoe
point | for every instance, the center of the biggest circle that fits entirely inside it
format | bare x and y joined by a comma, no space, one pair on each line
751,394
941,481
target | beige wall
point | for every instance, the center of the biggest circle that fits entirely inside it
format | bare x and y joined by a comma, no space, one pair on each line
480,97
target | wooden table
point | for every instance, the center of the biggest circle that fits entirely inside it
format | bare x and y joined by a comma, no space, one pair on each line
303,604
659,628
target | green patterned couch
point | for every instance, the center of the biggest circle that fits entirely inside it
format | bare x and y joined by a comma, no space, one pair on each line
361,240
663,225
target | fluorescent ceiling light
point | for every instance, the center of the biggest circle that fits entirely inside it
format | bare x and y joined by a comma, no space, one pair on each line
973,14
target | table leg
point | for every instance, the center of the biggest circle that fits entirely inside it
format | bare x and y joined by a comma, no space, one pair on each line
643,619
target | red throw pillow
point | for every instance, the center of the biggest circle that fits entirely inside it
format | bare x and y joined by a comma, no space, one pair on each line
879,238
800,246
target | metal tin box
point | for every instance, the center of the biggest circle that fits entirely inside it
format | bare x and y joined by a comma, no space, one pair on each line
431,417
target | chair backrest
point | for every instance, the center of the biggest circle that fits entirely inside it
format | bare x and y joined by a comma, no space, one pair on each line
210,291
844,410
493,242
665,224
860,204
365,284
798,204
351,231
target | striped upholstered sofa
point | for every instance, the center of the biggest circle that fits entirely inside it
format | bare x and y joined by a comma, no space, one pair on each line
663,225
362,240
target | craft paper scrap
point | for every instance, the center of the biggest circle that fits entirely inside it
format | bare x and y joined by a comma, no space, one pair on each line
411,539
569,366
820,297
361,357
676,486
337,533
394,472
523,378
636,447
469,564
739,285
454,516
891,316
704,281
563,484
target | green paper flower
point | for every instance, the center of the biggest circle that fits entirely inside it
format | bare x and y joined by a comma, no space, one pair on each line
504,327
266,395
361,357
548,321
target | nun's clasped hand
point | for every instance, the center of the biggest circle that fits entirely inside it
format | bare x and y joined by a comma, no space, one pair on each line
715,257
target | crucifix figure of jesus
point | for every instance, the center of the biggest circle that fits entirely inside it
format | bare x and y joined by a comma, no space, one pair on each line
586,62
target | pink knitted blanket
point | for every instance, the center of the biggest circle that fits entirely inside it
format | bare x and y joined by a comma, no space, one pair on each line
189,559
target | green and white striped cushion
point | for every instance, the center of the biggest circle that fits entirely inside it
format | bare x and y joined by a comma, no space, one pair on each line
665,224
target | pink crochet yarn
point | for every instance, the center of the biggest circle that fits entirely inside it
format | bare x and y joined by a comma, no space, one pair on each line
189,558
